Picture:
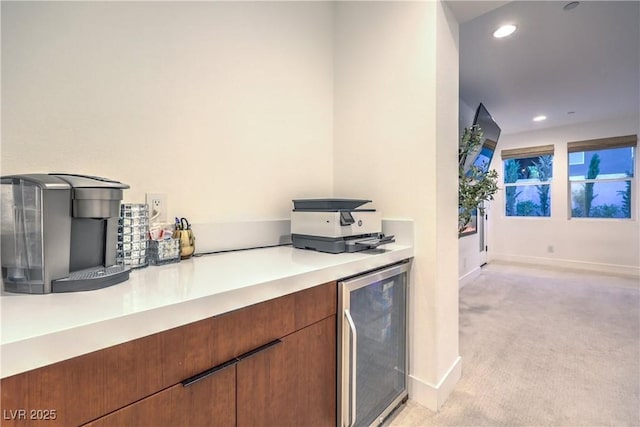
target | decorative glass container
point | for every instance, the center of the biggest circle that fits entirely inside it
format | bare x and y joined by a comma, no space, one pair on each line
133,235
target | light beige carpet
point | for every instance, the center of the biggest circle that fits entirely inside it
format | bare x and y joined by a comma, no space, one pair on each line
543,348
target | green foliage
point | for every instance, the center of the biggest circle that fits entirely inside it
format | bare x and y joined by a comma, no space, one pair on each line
592,173
511,168
594,167
544,165
544,198
604,211
626,199
475,186
527,208
578,199
544,168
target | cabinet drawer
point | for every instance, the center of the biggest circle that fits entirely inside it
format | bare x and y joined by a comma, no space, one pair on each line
315,304
213,341
208,402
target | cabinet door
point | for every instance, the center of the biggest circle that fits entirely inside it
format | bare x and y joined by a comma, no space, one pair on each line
210,401
291,384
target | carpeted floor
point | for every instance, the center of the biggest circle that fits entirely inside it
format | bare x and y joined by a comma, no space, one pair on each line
543,347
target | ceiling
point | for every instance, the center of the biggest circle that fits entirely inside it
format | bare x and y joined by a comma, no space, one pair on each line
585,61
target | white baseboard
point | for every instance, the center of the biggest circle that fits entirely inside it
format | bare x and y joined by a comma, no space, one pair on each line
433,396
468,278
616,269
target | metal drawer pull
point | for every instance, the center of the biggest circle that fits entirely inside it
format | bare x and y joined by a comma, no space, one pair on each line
202,375
259,349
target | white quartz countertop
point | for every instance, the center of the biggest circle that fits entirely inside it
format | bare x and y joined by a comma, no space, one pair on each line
38,330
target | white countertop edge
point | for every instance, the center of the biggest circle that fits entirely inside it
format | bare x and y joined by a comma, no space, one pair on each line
34,352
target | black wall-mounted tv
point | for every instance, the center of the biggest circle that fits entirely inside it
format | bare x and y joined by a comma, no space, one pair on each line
490,134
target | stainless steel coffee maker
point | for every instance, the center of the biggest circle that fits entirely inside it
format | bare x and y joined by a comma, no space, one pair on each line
59,233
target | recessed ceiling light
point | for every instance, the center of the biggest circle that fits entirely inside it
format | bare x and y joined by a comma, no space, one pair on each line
571,5
539,118
504,31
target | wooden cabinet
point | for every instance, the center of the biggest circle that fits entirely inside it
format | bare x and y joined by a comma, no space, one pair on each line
293,383
140,382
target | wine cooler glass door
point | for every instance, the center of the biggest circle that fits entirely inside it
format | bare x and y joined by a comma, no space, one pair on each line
375,348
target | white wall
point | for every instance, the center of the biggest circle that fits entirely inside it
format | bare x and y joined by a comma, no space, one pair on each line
587,243
226,107
469,259
395,141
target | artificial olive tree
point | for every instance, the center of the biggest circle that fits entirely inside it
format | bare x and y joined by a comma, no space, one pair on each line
475,185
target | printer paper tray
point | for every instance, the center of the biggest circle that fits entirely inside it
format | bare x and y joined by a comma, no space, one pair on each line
371,242
339,245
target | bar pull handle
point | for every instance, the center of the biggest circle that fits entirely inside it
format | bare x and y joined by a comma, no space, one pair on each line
202,375
259,349
353,349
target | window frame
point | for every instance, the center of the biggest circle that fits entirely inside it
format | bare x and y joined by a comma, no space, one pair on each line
528,153
627,141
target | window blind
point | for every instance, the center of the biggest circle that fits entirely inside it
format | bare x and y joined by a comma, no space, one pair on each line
603,143
523,153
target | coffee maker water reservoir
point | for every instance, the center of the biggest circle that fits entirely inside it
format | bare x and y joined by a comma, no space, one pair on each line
59,233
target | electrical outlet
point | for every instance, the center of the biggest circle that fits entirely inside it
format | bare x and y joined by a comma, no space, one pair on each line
157,206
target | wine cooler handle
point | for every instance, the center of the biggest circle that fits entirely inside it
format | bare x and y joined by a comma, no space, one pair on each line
353,344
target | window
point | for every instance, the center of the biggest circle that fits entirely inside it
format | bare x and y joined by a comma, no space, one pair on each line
527,181
601,185
576,158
